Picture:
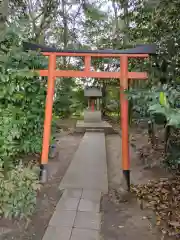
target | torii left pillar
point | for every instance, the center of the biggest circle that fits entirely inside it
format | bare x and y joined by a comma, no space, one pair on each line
48,117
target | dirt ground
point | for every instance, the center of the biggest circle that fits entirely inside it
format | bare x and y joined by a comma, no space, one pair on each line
125,220
48,197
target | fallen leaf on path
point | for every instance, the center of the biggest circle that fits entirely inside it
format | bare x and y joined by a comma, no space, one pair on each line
120,226
175,224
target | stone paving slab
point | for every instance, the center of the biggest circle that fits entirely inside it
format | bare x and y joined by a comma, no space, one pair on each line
72,193
87,205
84,234
57,233
102,124
62,218
68,204
88,220
88,169
93,195
82,127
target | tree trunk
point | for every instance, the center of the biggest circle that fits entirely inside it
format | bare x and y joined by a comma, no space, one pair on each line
41,38
116,17
126,22
65,29
4,6
65,24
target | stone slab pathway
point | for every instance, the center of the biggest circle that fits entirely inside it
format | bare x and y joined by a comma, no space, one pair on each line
77,215
88,169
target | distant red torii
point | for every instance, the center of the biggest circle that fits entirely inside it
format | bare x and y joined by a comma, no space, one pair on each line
142,51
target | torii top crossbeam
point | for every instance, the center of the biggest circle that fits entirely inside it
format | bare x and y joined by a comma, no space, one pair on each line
142,51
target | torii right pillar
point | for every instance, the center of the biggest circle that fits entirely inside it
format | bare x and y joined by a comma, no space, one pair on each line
125,75
124,119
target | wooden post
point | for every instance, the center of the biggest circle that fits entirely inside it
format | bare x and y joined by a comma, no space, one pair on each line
124,119
48,117
98,104
92,105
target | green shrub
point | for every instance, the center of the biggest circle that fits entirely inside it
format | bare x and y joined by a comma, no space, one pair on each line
22,99
162,106
18,191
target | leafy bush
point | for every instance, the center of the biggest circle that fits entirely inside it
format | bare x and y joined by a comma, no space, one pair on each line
161,105
18,191
22,98
147,103
170,109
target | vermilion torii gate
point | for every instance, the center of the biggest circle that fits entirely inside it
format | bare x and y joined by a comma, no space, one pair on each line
123,75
